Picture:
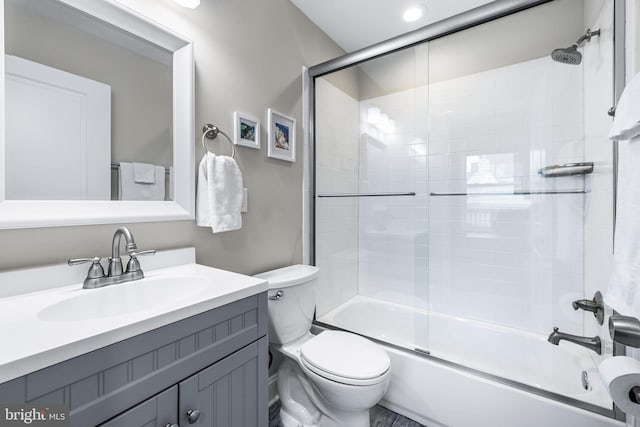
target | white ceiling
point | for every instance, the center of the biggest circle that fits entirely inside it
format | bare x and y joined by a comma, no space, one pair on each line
354,24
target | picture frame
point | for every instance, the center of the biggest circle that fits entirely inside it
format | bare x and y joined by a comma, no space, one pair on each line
246,130
282,136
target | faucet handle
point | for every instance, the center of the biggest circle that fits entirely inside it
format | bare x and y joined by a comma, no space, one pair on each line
95,271
76,261
134,264
147,252
595,305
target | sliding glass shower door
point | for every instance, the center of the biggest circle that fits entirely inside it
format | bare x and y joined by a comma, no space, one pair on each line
372,197
463,194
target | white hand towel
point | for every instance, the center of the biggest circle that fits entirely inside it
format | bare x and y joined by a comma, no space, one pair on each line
626,123
129,189
219,194
144,173
623,293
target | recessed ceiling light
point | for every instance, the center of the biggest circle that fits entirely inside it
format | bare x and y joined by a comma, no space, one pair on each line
413,13
191,4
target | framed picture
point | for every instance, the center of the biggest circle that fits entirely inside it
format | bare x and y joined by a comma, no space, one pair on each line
282,136
246,130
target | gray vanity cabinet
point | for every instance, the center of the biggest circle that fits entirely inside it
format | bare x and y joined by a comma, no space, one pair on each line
159,410
226,394
215,362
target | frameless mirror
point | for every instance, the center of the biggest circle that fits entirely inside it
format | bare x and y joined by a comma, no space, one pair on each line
98,107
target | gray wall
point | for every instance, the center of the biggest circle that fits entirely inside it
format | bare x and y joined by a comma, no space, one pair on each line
530,34
637,18
517,38
249,56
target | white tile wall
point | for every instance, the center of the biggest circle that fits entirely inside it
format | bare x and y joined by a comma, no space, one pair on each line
393,238
337,118
513,260
510,260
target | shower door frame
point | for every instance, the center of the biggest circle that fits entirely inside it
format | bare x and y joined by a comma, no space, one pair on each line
471,18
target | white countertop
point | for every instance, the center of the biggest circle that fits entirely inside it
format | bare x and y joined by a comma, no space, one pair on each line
32,341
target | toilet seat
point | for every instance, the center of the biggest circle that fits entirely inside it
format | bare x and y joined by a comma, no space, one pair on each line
345,358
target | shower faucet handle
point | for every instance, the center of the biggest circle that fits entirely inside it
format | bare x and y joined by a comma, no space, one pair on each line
596,306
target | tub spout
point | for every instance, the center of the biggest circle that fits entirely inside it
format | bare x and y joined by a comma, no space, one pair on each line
594,343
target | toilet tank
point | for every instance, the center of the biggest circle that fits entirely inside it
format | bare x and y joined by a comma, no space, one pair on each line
292,300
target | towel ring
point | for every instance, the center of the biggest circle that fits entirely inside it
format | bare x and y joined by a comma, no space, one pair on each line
211,132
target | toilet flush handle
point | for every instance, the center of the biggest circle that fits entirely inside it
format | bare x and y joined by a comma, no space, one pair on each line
277,296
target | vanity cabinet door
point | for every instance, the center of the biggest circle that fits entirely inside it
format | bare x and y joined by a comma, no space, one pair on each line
232,392
158,411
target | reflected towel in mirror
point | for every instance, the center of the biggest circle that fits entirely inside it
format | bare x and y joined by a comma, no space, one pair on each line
132,190
144,173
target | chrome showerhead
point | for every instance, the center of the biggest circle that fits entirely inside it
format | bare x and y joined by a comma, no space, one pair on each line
571,55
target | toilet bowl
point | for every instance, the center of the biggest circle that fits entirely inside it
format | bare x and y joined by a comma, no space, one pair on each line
328,380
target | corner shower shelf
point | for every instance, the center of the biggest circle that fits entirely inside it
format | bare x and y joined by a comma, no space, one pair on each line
366,194
514,193
567,169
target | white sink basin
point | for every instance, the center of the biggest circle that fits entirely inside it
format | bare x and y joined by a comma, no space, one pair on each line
104,316
125,298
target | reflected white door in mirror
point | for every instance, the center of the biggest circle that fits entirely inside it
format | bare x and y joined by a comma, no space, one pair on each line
100,85
57,135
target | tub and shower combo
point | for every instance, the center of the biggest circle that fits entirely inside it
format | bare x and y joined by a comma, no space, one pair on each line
459,197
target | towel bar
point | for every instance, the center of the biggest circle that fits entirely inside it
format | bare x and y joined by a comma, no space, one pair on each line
514,193
411,193
116,165
211,132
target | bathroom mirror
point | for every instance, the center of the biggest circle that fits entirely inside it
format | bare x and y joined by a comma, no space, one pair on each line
123,85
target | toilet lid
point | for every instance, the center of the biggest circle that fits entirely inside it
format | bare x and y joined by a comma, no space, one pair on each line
345,355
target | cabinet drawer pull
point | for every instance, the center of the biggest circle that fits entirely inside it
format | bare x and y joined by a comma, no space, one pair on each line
193,415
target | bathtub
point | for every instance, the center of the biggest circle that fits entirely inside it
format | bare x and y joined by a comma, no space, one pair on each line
477,374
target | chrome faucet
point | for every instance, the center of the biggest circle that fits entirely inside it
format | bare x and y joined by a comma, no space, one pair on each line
115,262
594,343
96,277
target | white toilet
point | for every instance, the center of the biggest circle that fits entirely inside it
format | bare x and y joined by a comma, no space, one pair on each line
328,380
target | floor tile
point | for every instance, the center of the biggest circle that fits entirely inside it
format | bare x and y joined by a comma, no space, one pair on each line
380,417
